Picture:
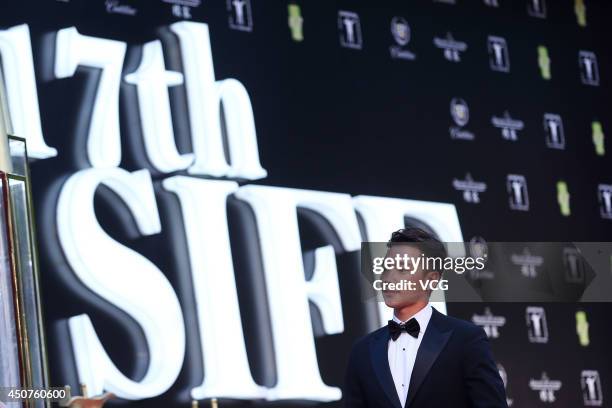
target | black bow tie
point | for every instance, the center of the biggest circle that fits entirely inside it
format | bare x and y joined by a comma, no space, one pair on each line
411,327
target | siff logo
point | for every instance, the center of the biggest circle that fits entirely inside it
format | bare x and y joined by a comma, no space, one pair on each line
589,69
591,388
537,328
516,186
574,265
240,15
349,28
604,192
499,58
553,127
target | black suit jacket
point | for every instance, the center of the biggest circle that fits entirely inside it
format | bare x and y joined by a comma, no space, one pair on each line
454,367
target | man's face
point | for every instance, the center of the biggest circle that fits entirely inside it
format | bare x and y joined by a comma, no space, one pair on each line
401,298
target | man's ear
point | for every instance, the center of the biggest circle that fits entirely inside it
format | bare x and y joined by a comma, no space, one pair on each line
433,275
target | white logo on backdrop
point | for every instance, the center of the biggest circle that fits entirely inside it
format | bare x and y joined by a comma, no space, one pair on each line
527,262
499,57
349,27
592,394
240,15
471,189
589,69
509,126
516,185
553,127
452,48
114,6
604,193
489,323
546,388
401,34
537,328
460,112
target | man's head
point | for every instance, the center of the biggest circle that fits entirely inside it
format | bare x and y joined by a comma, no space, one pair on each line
414,244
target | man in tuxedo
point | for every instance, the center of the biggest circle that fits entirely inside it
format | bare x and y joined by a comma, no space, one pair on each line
422,358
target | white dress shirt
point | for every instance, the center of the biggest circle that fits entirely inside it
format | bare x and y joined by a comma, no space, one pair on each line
402,353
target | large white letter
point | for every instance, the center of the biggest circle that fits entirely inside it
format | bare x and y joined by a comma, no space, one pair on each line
21,93
226,367
204,97
152,81
74,49
288,293
123,277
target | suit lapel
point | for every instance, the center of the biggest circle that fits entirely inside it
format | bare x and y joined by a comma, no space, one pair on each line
380,362
434,340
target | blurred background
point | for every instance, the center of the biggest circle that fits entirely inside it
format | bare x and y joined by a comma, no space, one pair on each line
204,171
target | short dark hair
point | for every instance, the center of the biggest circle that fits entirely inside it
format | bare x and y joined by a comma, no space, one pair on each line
426,242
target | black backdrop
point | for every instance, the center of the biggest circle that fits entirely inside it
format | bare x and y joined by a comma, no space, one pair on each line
357,121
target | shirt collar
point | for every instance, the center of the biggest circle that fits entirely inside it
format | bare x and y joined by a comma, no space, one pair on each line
422,316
